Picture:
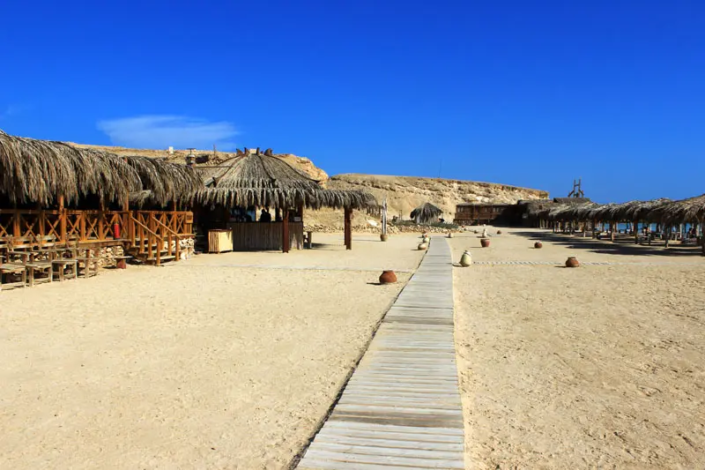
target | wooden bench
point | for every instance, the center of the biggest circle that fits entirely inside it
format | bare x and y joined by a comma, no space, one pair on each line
308,239
90,266
121,261
14,268
62,264
39,266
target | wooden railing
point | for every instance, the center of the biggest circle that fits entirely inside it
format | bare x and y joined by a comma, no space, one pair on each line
157,233
147,230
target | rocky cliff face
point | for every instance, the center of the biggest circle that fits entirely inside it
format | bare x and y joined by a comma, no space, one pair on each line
404,193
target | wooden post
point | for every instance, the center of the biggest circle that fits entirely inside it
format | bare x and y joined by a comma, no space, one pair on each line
101,222
285,231
62,220
636,231
348,228
177,251
613,229
667,232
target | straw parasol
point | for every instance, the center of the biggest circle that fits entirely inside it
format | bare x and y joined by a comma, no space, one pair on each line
261,179
426,213
684,210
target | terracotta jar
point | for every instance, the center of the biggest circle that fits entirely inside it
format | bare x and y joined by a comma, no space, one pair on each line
538,245
485,242
466,259
426,239
423,246
572,262
450,234
499,232
383,237
387,277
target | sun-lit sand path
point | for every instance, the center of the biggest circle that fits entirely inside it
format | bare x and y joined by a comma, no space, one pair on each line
401,408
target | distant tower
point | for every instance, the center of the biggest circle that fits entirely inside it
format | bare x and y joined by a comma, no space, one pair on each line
577,189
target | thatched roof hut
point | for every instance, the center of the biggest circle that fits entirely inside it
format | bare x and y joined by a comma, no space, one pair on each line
426,213
39,172
261,179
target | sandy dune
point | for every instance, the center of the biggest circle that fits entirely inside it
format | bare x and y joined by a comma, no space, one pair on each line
199,365
596,367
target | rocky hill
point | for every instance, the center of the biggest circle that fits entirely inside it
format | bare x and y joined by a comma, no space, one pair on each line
403,193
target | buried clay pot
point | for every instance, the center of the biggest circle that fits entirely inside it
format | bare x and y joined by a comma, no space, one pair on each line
538,245
499,232
450,234
383,237
572,262
423,246
426,239
485,242
466,259
387,277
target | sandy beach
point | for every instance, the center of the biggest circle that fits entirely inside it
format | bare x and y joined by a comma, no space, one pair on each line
596,367
202,364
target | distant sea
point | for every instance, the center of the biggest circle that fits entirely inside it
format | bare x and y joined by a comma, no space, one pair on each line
652,227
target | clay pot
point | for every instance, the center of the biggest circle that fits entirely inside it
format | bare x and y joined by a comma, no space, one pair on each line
450,234
387,277
383,237
499,232
466,259
485,242
423,246
572,262
538,245
426,240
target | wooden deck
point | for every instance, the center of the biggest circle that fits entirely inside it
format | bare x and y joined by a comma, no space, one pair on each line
401,408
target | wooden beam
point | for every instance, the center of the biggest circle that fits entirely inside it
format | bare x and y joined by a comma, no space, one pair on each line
285,231
348,228
62,220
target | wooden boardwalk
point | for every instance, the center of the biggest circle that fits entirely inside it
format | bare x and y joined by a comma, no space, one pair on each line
401,408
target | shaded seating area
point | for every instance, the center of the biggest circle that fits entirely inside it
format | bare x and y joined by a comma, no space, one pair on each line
260,199
66,210
674,221
426,213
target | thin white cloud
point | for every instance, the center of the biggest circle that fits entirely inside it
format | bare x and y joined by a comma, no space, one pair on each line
13,110
162,131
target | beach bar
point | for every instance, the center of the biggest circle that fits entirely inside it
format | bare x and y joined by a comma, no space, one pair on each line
261,199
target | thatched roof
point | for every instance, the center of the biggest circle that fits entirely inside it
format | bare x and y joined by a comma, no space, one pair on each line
39,171
259,179
426,213
571,200
258,171
165,181
685,210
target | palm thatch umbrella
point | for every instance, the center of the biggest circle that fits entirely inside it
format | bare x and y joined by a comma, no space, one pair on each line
426,213
267,181
40,171
682,211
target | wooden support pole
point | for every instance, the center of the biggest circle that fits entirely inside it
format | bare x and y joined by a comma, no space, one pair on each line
636,232
62,220
348,228
613,229
285,231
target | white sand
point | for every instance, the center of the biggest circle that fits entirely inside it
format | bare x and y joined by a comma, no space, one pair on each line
195,365
596,367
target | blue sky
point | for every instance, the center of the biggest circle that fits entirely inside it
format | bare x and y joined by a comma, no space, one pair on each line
529,93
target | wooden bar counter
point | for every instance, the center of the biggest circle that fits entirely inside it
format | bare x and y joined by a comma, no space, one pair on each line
265,236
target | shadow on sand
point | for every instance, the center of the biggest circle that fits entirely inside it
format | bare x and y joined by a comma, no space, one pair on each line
620,246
